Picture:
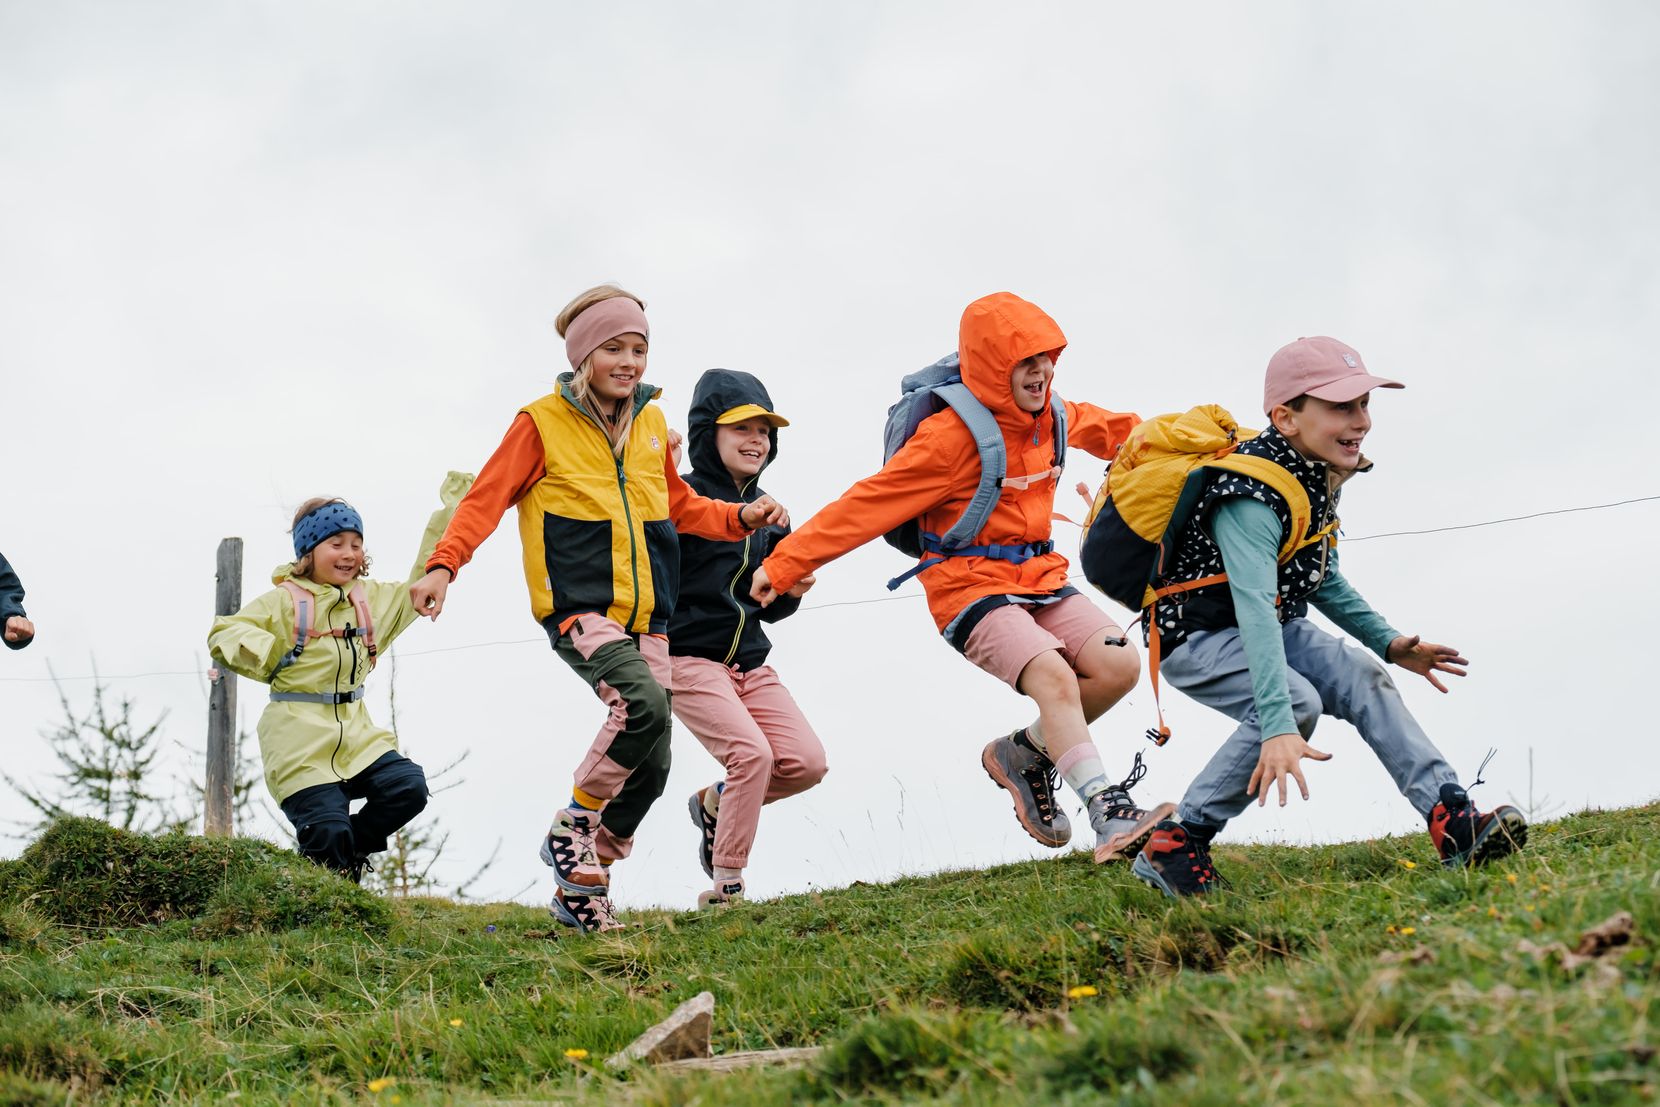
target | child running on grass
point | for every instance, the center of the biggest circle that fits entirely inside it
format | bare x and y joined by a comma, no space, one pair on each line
1245,647
590,468
1004,602
15,626
314,639
724,690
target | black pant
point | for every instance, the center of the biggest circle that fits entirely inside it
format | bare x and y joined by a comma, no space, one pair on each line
329,834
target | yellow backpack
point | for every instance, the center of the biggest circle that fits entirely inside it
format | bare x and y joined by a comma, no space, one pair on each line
1152,486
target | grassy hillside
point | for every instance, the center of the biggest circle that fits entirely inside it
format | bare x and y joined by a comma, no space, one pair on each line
183,970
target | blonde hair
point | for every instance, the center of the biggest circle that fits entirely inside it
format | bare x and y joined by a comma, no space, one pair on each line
302,566
616,424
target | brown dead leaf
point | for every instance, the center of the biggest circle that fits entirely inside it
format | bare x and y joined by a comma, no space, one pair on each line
1616,930
1417,955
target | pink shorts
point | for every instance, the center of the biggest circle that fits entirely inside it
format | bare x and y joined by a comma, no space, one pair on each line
1010,636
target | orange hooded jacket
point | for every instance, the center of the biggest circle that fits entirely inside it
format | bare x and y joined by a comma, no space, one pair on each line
934,475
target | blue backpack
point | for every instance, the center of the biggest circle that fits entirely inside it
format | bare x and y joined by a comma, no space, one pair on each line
932,390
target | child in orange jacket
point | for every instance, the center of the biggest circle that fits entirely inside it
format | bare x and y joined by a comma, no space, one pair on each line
1010,611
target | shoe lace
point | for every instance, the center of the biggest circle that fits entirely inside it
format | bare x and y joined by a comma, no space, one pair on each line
1492,752
1137,771
1043,779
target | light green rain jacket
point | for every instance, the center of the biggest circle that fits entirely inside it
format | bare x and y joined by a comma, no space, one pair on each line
304,744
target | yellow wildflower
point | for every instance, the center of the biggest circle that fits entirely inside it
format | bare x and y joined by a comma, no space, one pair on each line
381,1084
1492,912
455,1022
1081,991
1409,930
1510,877
577,1054
1405,864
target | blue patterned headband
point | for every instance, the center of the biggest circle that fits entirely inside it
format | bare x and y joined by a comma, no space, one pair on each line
324,522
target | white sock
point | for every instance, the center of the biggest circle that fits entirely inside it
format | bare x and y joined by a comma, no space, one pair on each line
1034,735
722,873
1081,767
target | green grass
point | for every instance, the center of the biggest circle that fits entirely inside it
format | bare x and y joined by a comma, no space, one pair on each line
183,970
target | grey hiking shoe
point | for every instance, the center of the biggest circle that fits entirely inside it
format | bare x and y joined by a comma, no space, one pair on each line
1122,828
589,914
1029,778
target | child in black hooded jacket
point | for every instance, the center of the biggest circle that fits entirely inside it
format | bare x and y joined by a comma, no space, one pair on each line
724,691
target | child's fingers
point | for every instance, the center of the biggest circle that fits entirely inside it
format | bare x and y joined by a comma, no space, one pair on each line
1302,785
1282,785
1251,788
1439,687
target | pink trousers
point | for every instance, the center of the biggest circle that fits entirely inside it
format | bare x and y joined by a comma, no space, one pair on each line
750,723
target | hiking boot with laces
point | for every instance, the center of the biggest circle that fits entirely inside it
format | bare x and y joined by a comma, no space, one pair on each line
1465,837
589,914
1029,777
1176,863
569,850
723,893
705,823
1122,828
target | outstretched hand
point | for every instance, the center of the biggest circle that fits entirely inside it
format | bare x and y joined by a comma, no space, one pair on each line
427,594
764,511
1426,659
760,587
19,629
1281,756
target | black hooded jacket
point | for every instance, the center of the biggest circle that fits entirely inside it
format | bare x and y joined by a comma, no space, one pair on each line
11,599
714,617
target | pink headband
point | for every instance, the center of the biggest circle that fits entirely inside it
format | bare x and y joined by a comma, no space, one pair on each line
601,323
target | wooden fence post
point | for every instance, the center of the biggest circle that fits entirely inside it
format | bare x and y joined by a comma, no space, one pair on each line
221,744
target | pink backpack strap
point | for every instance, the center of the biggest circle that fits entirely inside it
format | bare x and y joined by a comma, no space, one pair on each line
365,621
304,603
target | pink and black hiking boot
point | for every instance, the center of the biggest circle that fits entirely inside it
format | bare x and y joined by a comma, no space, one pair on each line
1121,828
1029,778
1176,862
589,914
1465,837
705,824
569,850
723,893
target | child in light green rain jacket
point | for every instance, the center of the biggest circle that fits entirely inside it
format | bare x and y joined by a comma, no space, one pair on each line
320,748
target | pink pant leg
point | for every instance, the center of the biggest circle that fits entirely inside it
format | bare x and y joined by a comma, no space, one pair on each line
798,760
727,711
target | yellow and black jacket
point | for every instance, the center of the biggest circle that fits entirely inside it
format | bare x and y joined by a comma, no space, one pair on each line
598,530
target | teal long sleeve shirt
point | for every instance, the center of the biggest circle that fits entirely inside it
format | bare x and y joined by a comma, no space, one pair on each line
1248,534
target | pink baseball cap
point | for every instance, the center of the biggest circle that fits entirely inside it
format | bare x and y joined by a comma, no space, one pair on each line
1320,367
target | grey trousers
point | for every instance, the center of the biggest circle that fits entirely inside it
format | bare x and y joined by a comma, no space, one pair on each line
1327,676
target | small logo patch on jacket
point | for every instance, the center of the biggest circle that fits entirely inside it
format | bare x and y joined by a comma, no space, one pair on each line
656,446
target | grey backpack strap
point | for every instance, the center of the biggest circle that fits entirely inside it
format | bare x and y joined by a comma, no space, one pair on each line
994,462
1058,407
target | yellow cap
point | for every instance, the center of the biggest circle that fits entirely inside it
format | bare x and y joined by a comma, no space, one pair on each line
751,411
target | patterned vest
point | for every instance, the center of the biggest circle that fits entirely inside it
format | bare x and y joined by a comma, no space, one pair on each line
1197,554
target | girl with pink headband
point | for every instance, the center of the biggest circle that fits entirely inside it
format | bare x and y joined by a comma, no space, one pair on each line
590,468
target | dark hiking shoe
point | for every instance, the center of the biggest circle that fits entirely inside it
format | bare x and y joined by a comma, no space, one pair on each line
569,850
1176,863
1465,837
1121,828
705,823
589,914
1029,777
360,865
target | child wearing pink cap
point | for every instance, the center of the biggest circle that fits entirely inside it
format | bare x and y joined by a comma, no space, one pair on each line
1245,647
590,469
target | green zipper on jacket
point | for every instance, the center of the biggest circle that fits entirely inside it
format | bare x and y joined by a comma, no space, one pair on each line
628,516
633,551
732,584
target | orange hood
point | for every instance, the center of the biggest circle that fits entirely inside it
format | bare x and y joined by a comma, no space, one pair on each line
997,333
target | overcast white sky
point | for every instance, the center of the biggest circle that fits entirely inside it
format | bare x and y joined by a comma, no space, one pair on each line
253,253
